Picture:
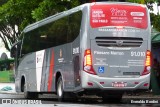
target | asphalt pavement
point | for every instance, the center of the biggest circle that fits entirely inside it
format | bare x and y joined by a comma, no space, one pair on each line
145,99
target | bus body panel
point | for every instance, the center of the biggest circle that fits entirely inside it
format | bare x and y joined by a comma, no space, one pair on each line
27,69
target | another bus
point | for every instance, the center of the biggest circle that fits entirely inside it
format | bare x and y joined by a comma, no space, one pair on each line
100,48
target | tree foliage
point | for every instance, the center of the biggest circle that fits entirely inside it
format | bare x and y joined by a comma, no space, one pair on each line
15,14
2,2
50,7
155,21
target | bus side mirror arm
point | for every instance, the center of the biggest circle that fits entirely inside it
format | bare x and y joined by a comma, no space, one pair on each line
15,47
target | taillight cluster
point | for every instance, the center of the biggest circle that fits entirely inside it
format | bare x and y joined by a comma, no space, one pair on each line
147,63
87,66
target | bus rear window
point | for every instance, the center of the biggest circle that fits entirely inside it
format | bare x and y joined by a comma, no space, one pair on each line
118,15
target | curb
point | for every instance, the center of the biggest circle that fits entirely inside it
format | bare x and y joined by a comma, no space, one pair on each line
8,92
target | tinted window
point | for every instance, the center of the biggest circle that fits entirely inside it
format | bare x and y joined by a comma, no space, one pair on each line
74,26
59,32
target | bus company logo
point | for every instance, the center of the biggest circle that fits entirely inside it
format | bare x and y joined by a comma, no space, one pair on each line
119,42
118,12
39,59
60,53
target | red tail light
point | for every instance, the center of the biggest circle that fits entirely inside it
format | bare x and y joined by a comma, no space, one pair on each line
147,63
148,58
88,62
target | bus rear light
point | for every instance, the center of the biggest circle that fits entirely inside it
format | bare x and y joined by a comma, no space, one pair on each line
101,82
147,63
146,84
136,82
90,84
88,62
148,58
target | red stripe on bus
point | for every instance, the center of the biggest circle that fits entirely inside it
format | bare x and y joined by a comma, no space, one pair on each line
51,72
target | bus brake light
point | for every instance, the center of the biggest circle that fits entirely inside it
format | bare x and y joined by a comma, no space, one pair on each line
147,63
88,62
148,58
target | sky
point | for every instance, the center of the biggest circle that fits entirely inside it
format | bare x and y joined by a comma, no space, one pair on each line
3,49
155,8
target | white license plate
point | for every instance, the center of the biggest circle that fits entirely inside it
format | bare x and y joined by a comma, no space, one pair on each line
119,84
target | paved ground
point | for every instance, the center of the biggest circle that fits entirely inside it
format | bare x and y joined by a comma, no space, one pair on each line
140,95
4,86
46,99
51,102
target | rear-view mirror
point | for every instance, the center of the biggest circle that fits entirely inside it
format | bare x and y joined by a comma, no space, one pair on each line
15,49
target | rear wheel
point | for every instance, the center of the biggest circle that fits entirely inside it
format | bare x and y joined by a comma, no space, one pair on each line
64,96
60,91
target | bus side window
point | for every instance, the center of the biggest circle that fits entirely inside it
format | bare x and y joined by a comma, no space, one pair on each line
56,33
30,42
74,26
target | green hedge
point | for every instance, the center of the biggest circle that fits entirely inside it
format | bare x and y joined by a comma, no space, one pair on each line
6,76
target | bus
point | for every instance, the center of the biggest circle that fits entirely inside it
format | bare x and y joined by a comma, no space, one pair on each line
99,48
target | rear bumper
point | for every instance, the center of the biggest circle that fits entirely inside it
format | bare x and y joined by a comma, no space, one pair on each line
104,83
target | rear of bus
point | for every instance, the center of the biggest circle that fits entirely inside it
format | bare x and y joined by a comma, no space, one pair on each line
118,55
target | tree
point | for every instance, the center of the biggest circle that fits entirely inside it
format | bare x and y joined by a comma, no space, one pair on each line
51,7
15,15
3,2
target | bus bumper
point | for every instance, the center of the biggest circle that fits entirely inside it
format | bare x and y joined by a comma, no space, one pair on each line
90,81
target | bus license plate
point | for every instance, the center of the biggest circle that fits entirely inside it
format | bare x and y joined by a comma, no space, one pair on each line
119,84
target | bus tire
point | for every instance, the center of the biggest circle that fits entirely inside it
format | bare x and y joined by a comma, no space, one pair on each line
60,91
64,96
